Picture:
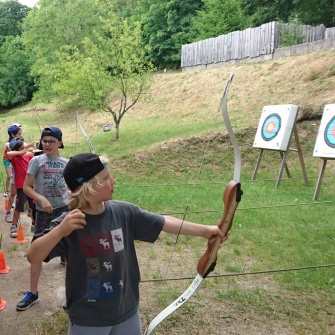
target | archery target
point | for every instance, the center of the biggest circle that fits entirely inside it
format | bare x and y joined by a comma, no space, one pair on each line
271,127
275,127
325,141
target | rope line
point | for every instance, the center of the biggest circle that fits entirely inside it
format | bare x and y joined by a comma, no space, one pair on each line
253,208
242,273
212,183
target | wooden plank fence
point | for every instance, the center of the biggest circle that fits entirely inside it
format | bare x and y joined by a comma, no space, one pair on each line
250,43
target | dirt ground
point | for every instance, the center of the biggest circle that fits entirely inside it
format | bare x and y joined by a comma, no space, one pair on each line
16,282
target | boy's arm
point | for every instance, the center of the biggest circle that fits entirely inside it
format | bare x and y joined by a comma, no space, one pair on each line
176,226
29,145
28,188
11,154
42,246
30,192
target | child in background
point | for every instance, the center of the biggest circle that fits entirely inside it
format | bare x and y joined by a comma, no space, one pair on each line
44,183
97,237
19,158
14,131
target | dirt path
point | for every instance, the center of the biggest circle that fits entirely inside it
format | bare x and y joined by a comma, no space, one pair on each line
16,282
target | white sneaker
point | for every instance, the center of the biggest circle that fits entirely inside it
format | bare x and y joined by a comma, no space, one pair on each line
13,231
5,194
8,218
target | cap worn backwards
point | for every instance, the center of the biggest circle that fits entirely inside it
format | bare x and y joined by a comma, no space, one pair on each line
54,132
80,169
15,144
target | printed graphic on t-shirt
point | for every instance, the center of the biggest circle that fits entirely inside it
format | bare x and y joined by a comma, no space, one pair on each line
95,246
102,258
109,288
117,237
53,179
93,267
93,288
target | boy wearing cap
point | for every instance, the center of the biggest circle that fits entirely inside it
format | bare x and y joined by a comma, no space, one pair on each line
44,183
97,237
19,158
14,131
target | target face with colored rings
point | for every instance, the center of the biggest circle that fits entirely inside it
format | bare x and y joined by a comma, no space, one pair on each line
330,133
271,127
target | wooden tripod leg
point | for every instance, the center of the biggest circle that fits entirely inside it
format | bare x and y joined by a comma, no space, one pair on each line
283,164
257,164
318,185
286,167
301,157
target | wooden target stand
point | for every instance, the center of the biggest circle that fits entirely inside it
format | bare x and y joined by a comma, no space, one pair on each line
325,143
321,174
284,155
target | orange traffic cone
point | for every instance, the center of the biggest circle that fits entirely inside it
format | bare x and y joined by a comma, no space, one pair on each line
6,208
2,303
20,235
3,268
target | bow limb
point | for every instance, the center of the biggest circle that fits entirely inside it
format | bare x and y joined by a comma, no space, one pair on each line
237,151
231,198
84,133
176,304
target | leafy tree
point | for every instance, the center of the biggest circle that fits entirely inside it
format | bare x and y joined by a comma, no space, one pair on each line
16,86
263,11
53,25
102,68
219,17
315,12
166,27
11,16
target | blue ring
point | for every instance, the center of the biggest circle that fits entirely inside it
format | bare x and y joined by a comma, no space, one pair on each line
329,139
277,120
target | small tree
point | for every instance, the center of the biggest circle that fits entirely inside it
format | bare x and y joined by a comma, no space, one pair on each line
104,70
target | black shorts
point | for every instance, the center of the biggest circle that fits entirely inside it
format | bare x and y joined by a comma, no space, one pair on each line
21,199
43,219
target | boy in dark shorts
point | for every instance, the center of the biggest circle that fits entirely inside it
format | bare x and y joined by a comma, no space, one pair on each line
45,184
19,158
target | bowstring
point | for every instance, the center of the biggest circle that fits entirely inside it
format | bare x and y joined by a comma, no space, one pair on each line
193,189
197,176
194,186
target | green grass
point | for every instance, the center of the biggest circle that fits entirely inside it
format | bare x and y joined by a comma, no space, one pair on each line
163,166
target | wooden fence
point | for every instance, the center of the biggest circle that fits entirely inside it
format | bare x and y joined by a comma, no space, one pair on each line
250,43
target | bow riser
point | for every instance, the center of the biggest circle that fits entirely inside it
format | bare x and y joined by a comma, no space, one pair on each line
231,198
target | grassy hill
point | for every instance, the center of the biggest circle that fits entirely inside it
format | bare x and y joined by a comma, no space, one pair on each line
182,105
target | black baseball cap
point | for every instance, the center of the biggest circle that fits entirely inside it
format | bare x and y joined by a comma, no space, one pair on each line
81,168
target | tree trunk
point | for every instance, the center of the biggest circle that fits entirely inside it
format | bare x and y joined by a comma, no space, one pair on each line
117,131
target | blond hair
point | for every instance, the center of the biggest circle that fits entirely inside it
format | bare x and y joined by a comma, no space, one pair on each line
79,198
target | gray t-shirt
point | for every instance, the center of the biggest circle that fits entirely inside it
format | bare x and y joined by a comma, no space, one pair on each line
102,275
49,181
